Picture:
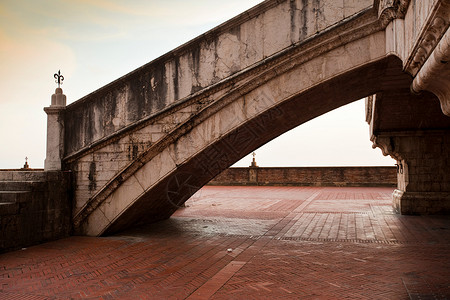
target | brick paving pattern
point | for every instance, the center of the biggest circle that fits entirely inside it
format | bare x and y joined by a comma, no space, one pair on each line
249,243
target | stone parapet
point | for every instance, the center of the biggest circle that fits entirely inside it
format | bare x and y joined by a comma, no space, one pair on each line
20,175
308,176
34,207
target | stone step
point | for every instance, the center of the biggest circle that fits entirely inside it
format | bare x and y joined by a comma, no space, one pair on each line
30,186
9,209
14,196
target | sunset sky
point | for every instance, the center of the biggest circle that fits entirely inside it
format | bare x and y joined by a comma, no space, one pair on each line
94,42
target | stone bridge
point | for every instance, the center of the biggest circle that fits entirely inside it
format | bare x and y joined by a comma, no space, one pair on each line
140,146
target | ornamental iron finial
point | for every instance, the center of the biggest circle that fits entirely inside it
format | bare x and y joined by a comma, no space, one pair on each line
59,78
26,166
254,165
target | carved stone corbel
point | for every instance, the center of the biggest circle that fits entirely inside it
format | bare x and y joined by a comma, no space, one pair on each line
387,146
389,10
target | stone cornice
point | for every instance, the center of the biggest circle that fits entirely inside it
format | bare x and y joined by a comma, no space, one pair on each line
54,109
436,25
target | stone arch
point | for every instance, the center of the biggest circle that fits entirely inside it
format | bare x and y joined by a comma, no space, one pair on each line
169,172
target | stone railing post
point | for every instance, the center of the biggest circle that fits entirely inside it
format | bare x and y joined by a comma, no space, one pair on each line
55,128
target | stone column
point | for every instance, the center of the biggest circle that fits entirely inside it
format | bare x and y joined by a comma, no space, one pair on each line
55,131
423,164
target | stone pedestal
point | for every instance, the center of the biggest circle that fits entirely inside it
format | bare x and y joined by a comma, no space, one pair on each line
423,164
253,172
253,175
55,131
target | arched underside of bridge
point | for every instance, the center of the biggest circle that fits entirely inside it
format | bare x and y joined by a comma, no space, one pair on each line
162,181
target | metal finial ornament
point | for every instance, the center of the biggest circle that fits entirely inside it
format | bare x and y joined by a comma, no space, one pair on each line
26,166
59,78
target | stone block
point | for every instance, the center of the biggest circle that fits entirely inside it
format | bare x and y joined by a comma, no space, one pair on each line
276,30
251,33
8,197
185,75
227,55
97,221
28,176
21,186
121,198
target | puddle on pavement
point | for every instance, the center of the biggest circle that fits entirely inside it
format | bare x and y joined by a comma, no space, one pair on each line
183,226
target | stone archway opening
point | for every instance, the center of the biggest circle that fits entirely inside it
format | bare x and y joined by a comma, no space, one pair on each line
251,134
337,138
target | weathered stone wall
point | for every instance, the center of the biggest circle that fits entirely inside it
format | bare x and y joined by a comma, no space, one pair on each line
309,176
202,63
34,207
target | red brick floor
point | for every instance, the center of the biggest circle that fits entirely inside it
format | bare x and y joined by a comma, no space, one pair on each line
249,243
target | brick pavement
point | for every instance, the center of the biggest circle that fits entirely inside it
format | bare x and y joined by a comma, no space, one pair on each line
286,243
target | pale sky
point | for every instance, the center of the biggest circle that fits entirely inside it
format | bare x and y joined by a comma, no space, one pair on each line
94,42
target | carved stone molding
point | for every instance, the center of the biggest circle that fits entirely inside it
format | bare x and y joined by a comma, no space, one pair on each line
434,29
389,10
369,108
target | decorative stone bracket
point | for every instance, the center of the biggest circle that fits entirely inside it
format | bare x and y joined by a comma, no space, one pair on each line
387,146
